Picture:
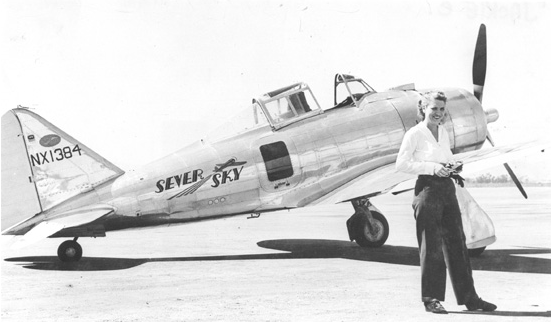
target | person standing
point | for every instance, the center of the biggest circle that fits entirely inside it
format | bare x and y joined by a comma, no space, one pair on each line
425,151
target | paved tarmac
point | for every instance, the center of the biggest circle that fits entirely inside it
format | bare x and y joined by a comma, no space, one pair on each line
284,266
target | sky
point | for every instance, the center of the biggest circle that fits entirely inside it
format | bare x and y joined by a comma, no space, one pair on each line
137,80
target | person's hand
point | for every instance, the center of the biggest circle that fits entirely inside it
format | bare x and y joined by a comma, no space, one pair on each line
459,167
442,171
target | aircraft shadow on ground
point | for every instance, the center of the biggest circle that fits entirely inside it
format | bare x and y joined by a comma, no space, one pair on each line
504,313
503,260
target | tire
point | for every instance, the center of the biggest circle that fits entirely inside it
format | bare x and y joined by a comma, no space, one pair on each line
69,251
475,252
365,239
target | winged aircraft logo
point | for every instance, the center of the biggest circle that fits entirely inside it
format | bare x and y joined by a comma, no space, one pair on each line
219,168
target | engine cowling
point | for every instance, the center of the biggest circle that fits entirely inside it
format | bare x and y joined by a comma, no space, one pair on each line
467,123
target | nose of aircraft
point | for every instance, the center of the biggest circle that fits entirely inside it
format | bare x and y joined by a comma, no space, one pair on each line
491,115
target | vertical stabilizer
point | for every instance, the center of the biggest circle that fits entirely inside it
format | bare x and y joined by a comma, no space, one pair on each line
58,166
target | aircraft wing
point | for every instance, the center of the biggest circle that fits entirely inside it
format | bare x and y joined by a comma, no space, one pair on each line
387,179
486,158
370,184
73,218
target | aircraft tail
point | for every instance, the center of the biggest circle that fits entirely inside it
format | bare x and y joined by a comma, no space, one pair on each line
42,166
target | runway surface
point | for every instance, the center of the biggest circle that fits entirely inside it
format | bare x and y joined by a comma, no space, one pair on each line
283,266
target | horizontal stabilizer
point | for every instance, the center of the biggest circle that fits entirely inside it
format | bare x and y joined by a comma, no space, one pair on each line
69,219
41,231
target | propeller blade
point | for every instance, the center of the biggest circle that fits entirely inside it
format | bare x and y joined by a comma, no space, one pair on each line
479,63
490,139
515,180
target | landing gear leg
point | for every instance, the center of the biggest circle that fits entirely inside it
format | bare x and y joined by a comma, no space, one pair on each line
367,226
69,251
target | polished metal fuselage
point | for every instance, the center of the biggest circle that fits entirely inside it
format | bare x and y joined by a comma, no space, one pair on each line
326,152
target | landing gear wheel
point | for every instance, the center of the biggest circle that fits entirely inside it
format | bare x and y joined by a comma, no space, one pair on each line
69,251
475,252
360,226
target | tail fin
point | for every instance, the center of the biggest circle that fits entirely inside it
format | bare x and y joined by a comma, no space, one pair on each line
42,166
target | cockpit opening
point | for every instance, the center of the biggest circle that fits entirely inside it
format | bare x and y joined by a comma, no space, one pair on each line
288,105
349,90
277,109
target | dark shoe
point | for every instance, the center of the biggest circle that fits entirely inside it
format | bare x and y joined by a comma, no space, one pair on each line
480,305
434,306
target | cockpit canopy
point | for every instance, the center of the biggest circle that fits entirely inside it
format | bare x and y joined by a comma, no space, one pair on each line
278,108
288,105
349,90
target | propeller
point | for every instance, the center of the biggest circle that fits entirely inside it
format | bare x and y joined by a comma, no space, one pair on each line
479,77
479,63
515,180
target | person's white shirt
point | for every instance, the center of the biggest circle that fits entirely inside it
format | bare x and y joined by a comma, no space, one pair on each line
421,153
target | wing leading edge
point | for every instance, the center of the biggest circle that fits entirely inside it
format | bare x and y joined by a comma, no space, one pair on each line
388,179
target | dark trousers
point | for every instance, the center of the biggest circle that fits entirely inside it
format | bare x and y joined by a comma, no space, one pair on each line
441,241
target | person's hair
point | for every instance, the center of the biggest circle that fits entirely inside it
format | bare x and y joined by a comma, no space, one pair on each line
426,98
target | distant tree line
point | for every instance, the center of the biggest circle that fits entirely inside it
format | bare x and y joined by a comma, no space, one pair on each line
489,178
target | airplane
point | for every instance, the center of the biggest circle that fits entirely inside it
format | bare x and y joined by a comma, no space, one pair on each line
284,152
